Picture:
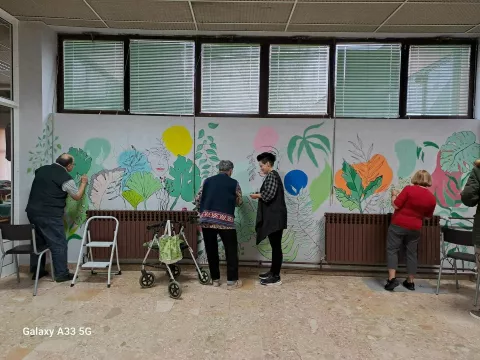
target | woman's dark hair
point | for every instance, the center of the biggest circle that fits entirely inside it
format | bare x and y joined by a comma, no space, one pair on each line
267,157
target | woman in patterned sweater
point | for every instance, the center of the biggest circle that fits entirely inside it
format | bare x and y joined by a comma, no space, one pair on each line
271,216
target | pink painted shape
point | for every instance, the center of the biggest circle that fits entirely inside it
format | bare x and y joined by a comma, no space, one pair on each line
266,136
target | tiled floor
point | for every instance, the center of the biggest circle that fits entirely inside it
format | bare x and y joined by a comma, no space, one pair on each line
308,317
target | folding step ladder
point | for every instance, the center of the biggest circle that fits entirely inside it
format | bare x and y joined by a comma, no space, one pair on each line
87,242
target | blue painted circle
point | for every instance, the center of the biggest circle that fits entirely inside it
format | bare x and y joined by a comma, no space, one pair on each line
295,181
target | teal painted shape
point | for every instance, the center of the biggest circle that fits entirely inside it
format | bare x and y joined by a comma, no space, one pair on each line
98,149
406,151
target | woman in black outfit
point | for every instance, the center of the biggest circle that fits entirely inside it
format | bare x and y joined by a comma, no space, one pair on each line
271,216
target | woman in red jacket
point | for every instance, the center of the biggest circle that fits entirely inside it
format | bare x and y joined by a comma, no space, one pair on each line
412,205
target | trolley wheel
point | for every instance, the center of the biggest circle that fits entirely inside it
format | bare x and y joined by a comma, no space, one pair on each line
108,285
147,279
93,272
175,269
175,290
204,277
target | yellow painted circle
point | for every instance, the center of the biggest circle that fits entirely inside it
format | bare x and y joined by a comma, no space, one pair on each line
177,140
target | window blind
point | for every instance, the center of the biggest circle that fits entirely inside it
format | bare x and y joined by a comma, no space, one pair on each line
438,80
93,75
367,80
230,78
298,79
162,77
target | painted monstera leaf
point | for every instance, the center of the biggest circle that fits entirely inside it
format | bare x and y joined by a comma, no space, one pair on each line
105,185
289,248
82,161
144,184
185,179
459,152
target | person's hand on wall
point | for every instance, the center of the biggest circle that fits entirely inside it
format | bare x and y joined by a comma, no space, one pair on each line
84,179
255,196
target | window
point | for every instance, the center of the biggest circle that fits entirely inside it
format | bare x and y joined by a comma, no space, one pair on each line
298,79
162,77
438,80
6,60
367,80
230,78
93,75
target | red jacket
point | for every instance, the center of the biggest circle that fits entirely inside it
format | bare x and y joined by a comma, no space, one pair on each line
414,204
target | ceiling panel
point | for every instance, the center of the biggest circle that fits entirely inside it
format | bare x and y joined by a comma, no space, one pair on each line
442,29
330,13
144,25
246,12
436,14
332,28
241,27
66,22
73,9
142,10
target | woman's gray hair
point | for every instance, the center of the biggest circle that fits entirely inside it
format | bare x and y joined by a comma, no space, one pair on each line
225,165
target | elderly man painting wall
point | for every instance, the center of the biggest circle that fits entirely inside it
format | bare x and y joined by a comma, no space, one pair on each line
216,202
45,208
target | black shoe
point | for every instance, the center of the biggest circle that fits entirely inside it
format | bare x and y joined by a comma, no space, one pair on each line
68,277
265,275
391,284
409,285
271,281
41,274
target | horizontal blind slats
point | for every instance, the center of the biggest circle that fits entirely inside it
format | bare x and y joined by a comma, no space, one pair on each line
162,77
367,80
438,80
298,80
93,75
230,78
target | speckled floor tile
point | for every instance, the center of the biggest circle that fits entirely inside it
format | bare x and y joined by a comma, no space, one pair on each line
309,317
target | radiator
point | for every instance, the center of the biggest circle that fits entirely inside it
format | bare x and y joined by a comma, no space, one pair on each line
360,239
132,232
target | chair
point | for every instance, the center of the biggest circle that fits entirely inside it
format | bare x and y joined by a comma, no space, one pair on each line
23,233
460,238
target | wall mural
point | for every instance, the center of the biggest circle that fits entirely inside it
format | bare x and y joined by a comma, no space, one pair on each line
159,163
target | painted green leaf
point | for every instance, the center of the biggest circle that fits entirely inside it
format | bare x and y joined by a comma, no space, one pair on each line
431,144
316,126
450,202
455,181
83,162
321,187
133,198
301,147
207,166
345,200
292,144
423,156
198,155
459,152
310,153
213,145
322,138
212,125
214,158
211,152
185,179
74,237
419,150
76,211
29,170
59,146
319,146
353,180
372,187
199,147
144,184
203,161
210,138
201,133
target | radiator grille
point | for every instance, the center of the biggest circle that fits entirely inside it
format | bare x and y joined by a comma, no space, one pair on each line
360,239
132,232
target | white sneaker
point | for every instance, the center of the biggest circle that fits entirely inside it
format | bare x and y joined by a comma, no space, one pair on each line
475,314
216,283
237,285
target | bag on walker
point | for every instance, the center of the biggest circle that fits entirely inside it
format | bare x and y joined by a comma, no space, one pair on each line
170,250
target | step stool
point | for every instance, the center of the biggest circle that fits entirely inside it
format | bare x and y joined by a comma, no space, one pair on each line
87,242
